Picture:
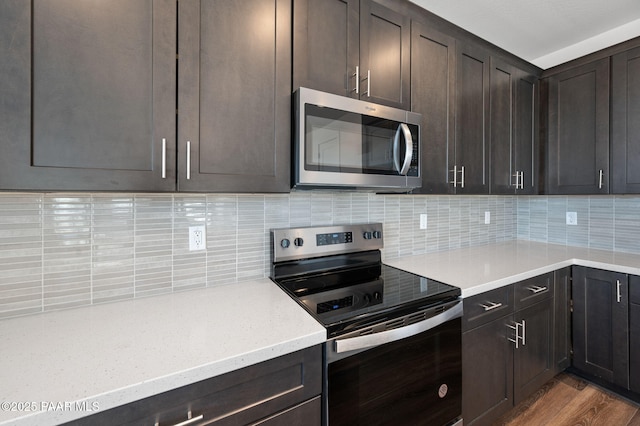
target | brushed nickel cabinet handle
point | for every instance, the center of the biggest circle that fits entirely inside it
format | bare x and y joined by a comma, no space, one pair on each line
368,92
462,178
536,289
357,76
455,176
164,158
187,422
489,306
600,178
516,340
618,291
188,160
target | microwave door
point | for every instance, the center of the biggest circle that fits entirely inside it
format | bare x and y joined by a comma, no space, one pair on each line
333,145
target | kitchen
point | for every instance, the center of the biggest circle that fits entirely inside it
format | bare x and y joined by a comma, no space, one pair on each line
71,249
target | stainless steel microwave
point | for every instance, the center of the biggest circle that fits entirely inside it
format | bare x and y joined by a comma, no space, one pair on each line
344,143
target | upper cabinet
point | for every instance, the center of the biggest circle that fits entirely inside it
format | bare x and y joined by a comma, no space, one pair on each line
350,48
578,130
88,95
513,129
625,126
234,95
433,96
469,174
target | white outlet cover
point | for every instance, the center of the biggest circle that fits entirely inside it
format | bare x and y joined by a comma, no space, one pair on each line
197,238
423,221
487,218
572,218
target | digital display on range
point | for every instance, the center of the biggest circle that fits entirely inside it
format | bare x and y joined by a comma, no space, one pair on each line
334,238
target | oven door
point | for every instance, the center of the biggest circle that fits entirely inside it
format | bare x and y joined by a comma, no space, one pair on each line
410,375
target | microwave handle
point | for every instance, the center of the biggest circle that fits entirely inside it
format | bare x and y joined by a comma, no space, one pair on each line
404,169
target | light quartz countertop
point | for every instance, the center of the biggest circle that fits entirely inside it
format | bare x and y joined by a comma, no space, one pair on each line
481,268
103,356
59,366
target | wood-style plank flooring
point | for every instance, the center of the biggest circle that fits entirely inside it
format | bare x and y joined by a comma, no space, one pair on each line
569,400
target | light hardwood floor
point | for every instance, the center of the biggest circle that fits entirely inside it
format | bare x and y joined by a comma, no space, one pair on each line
569,400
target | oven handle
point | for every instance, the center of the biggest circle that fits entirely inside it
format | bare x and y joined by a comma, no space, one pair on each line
377,339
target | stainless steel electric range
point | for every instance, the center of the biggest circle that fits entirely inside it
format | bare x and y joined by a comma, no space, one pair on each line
393,354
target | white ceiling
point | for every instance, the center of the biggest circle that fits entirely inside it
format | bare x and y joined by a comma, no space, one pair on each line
544,32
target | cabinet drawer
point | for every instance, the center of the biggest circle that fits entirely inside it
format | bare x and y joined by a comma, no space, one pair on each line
533,290
634,289
238,397
487,306
307,413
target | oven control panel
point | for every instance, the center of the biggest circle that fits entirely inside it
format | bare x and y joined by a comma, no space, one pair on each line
314,241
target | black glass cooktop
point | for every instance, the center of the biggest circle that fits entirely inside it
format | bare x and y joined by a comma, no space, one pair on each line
347,292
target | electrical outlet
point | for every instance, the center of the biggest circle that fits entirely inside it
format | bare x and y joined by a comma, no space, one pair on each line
197,238
572,218
423,221
487,218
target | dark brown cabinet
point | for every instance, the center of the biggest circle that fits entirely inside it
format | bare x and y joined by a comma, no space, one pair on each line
282,391
578,130
88,95
600,324
508,340
634,333
470,171
433,96
625,126
562,319
513,128
352,48
234,92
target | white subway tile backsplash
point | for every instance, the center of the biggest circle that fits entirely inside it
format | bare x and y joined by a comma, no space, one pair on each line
64,250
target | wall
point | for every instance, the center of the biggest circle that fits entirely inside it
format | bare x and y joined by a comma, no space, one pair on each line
64,250
604,221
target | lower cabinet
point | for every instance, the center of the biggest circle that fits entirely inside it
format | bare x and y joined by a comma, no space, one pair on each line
600,324
634,333
281,391
508,347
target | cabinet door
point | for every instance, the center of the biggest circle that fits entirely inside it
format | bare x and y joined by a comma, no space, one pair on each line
625,126
578,139
533,362
326,42
472,120
526,107
503,173
234,112
600,324
384,55
487,372
432,95
562,319
634,333
88,93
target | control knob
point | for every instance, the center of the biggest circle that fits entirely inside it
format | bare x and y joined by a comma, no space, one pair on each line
298,242
367,235
377,234
285,243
